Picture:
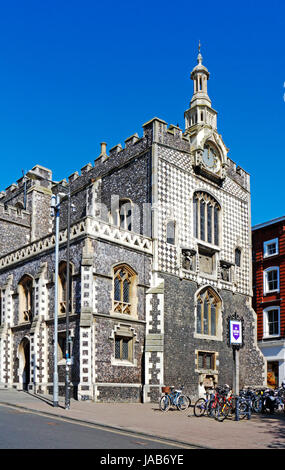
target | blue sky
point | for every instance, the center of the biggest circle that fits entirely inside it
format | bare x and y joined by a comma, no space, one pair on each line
74,74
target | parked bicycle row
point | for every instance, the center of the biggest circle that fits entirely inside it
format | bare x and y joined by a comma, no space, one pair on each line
220,403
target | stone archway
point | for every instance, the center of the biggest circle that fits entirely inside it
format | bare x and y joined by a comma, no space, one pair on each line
24,363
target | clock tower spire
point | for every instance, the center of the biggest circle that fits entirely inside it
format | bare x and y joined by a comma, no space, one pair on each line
207,147
200,111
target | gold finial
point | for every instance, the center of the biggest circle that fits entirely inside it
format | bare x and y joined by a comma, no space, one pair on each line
199,47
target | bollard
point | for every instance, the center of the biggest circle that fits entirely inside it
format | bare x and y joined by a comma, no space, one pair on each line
249,412
237,409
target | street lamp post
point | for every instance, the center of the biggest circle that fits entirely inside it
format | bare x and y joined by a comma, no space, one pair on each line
56,207
68,338
55,204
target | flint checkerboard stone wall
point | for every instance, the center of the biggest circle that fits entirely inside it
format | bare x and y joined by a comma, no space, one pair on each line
157,173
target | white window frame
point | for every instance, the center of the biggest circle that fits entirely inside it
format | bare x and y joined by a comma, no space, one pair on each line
265,247
266,290
265,322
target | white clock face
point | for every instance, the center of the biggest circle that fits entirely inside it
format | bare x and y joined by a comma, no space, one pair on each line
210,157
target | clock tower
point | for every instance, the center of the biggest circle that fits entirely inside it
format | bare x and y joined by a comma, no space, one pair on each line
210,152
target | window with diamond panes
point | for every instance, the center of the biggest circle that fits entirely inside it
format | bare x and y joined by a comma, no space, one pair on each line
124,286
206,218
123,348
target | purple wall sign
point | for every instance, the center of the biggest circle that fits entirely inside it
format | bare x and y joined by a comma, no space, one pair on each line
235,332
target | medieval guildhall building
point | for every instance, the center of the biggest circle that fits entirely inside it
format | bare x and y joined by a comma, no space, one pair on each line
160,258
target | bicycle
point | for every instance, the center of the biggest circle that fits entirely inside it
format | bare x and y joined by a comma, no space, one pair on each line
224,405
173,397
203,404
254,398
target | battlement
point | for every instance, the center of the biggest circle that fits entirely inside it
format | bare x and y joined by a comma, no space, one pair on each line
15,214
117,155
152,131
38,175
238,174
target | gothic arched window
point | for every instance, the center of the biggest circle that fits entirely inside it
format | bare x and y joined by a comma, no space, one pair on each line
26,298
208,311
62,292
124,287
206,217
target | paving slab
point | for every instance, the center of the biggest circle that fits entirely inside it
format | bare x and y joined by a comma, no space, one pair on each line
260,432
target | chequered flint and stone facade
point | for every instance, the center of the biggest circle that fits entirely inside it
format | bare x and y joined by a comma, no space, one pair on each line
160,257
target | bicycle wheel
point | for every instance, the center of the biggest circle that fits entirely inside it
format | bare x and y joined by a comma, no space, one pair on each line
211,408
229,409
221,412
200,407
243,409
182,402
257,405
164,403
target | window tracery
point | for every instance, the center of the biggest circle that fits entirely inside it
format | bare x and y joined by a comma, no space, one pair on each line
208,310
206,217
124,290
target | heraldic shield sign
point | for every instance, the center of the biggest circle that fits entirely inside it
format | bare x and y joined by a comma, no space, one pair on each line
235,331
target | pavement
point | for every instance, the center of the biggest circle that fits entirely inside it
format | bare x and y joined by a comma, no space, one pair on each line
183,429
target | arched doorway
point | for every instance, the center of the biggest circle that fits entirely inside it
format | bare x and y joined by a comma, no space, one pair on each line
24,363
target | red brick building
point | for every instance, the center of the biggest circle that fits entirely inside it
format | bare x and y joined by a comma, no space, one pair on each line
268,247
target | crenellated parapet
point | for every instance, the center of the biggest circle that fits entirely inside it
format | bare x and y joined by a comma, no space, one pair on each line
239,175
108,161
15,215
